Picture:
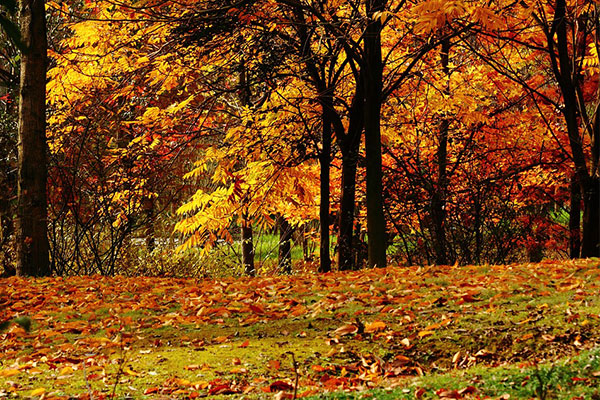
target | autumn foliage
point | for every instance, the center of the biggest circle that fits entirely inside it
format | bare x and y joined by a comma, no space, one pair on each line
443,132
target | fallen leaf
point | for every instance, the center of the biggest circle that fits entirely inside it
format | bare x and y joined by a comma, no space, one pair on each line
9,372
467,390
38,392
448,394
274,364
130,372
348,329
375,326
279,386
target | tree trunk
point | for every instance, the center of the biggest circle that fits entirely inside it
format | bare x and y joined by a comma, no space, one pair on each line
349,144
31,222
575,219
438,199
247,247
285,239
590,244
376,229
149,232
346,251
325,161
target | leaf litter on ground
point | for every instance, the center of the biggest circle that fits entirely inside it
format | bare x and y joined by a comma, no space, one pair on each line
98,337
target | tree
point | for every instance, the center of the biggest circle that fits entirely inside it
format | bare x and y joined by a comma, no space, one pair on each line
564,42
31,223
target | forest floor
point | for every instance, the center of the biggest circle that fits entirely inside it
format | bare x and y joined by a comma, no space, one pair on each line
508,331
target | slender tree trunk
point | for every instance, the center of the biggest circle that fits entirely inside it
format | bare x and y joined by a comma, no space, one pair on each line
373,64
306,251
285,240
31,222
149,228
325,162
438,199
575,219
346,251
246,222
247,246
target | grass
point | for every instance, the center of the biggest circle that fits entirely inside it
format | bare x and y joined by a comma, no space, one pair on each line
567,378
379,333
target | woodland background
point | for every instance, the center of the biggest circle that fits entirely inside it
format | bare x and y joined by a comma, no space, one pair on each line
416,132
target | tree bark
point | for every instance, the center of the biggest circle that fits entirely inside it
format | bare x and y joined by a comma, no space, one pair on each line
325,162
149,233
575,219
438,199
376,228
346,251
590,243
31,223
285,240
349,144
247,246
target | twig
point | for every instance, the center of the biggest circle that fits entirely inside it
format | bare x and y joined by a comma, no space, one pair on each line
120,370
295,365
87,383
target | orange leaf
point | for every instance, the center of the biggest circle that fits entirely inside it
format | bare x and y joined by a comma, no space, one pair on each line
375,326
274,364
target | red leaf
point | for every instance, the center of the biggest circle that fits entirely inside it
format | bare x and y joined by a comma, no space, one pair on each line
256,309
151,390
280,385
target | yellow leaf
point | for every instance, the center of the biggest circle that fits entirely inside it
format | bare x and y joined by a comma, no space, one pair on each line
38,392
9,372
65,371
130,372
423,334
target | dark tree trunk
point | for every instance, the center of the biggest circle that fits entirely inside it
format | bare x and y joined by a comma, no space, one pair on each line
346,251
325,162
246,222
438,199
590,244
575,219
376,229
149,228
306,248
285,240
350,146
247,247
31,223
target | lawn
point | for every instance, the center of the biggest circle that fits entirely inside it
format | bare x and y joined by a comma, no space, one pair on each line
508,331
